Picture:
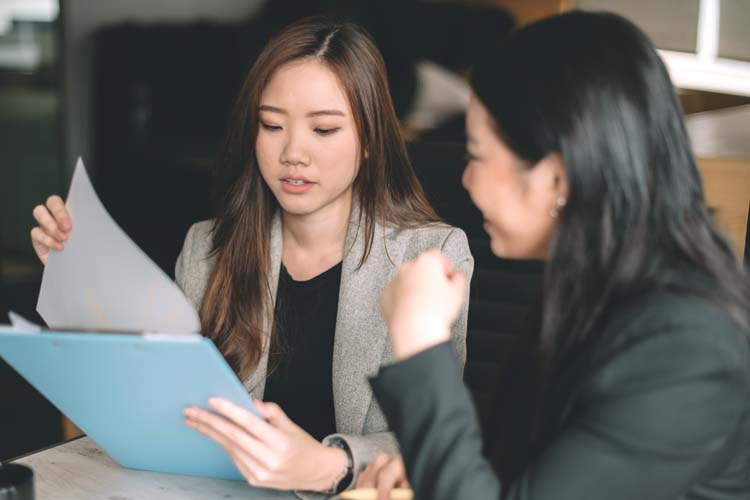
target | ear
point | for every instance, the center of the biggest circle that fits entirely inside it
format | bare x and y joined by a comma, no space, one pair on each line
554,176
559,176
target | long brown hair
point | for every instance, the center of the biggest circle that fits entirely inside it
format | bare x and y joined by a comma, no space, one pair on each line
235,307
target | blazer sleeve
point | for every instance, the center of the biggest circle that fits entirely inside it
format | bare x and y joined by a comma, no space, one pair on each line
366,447
456,248
651,422
183,260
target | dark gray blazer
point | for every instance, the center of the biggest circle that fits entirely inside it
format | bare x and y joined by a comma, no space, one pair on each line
657,409
361,343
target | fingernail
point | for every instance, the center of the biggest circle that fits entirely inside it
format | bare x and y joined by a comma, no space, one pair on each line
190,412
215,402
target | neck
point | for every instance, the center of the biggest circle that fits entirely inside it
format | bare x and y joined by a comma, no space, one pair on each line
314,242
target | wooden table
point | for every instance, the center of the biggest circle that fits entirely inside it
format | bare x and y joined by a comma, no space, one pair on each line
79,469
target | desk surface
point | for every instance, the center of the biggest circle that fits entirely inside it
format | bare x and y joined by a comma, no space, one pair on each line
80,469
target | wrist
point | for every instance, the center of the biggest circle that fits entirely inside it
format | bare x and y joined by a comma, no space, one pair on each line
411,338
334,468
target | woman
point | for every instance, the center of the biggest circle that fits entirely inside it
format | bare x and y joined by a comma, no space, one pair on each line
640,378
318,205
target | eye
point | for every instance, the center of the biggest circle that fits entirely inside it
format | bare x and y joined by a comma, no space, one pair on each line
270,128
326,131
469,157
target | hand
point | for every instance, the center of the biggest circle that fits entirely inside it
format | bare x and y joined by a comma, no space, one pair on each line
54,225
421,303
384,473
271,454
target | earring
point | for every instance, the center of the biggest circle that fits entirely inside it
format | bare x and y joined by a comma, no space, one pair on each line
559,204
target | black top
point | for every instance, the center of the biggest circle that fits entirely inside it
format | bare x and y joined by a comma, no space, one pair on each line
301,359
658,409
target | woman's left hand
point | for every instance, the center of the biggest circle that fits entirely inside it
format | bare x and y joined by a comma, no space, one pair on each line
275,453
384,474
422,302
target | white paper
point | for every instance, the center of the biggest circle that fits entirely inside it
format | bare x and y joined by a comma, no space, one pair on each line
21,324
103,281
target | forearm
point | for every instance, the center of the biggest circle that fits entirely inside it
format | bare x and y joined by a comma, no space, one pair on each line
431,413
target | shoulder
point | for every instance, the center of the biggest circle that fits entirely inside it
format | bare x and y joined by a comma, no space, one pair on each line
681,314
200,237
449,239
194,263
668,336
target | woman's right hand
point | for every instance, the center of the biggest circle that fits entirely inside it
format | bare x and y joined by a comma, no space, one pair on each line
54,225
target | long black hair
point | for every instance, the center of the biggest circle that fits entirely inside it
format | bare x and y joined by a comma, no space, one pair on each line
591,87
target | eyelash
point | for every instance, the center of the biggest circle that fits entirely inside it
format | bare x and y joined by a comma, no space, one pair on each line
319,131
326,131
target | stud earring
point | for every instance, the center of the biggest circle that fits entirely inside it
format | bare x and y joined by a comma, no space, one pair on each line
559,204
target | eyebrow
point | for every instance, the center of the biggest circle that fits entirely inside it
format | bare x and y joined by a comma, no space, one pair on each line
322,112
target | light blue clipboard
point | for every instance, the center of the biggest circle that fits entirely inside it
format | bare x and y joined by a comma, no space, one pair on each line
128,391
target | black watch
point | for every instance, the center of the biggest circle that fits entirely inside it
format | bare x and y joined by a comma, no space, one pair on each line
344,481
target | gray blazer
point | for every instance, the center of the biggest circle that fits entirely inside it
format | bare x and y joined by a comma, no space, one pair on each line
361,344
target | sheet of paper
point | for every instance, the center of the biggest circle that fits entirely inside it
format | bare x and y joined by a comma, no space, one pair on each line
103,281
21,324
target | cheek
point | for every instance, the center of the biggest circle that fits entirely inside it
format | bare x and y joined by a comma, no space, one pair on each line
262,158
339,159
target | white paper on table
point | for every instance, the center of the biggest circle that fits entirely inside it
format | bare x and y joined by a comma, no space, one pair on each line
103,281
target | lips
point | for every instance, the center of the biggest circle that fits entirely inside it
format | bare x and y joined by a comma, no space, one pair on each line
296,184
295,179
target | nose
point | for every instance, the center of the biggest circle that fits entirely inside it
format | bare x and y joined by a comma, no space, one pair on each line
294,152
466,176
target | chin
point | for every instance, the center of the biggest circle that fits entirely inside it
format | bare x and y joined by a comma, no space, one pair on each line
498,248
298,208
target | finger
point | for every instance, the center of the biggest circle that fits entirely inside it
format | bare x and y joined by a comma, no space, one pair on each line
263,431
403,481
448,266
254,453
42,242
47,222
367,477
387,477
276,416
457,280
56,206
246,464
226,433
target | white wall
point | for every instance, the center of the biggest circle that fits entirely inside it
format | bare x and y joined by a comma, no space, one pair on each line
80,19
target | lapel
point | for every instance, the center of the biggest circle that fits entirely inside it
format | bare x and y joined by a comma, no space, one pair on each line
256,383
361,334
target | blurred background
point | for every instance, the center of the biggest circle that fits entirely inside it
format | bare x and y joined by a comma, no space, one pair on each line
141,91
